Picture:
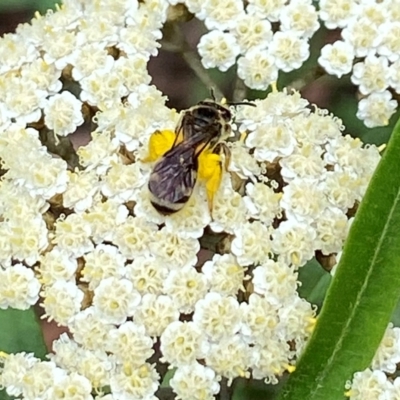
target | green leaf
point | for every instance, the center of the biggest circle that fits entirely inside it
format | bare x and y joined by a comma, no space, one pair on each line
362,295
16,5
20,331
314,282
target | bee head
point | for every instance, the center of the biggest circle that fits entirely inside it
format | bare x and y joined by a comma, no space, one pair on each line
212,110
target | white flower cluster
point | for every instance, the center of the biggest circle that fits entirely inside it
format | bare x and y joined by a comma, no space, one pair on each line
119,275
245,34
369,49
378,382
265,37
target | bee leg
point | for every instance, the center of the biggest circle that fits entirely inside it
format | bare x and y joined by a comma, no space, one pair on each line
214,181
223,149
211,166
160,142
243,137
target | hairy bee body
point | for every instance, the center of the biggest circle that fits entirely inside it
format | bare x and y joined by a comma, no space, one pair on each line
174,176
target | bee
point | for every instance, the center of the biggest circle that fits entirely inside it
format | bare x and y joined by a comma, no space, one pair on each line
201,129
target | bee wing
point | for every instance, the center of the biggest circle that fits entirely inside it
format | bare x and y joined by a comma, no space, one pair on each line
174,176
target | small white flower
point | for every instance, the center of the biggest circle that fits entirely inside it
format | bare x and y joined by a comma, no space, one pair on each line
186,287
218,317
224,274
363,36
99,153
15,51
242,162
272,359
71,387
369,383
306,162
13,370
133,382
376,109
62,113
61,301
89,329
252,32
229,211
195,382
337,13
103,88
371,74
176,251
134,236
129,344
182,343
218,49
257,68
289,50
45,76
272,141
262,202
19,288
390,43
156,313
332,228
122,182
61,56
115,300
231,358
103,262
252,244
221,15
260,318
388,354
270,9
57,265
140,37
337,58
296,320
193,218
87,58
341,188
39,379
23,99
133,71
275,281
147,274
301,17
81,189
72,235
303,200
294,242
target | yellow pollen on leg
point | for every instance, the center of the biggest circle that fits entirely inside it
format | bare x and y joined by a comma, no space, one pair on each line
160,142
210,171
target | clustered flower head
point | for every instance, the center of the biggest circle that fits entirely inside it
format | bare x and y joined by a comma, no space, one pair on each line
266,37
131,285
369,49
379,381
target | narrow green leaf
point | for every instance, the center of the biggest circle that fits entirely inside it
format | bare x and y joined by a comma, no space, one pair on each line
396,315
363,293
314,282
20,331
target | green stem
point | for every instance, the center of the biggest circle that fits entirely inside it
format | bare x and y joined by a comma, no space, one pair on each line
178,43
239,91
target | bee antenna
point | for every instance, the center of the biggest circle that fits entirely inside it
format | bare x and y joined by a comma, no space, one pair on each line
242,103
212,94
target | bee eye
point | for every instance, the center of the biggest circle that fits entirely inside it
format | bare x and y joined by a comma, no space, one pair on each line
207,113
